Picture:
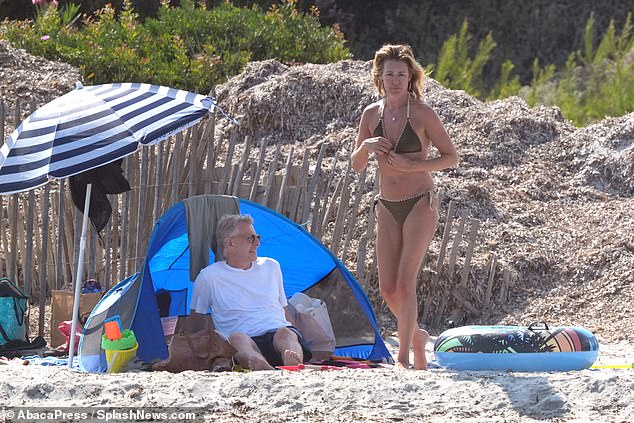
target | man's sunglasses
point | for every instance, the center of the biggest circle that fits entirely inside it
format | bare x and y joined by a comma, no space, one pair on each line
250,238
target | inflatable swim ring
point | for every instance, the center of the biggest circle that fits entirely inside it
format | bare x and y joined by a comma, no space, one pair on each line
535,348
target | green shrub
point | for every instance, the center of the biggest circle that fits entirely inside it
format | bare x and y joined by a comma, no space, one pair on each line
188,47
456,69
595,82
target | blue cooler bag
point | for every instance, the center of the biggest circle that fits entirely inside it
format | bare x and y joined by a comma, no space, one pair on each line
12,310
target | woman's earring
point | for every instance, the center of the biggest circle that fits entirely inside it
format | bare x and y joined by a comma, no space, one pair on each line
409,85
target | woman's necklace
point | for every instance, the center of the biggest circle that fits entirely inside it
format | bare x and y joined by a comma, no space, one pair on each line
394,116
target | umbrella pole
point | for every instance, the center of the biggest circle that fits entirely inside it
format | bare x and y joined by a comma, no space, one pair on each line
78,277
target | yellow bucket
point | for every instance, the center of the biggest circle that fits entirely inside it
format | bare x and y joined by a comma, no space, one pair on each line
117,359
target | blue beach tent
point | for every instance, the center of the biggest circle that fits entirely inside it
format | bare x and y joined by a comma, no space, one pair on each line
163,288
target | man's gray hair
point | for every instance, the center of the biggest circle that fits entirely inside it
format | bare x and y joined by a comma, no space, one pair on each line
227,226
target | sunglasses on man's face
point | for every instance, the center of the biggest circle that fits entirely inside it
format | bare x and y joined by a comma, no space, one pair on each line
250,238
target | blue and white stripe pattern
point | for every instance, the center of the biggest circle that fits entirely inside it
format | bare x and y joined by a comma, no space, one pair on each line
92,126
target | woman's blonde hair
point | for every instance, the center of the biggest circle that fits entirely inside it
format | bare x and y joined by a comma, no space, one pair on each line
403,53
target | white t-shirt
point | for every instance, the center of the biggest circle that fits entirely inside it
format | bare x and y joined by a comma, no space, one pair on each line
248,301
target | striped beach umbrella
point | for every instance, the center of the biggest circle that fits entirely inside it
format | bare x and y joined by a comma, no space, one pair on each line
92,126
88,128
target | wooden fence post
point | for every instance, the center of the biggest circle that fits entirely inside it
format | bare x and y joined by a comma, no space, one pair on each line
451,211
175,158
344,202
243,166
487,297
256,176
301,188
453,255
353,212
285,176
369,232
2,113
228,168
310,194
473,234
271,176
506,281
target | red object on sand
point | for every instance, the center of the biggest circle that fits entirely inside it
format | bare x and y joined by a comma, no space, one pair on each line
65,328
309,367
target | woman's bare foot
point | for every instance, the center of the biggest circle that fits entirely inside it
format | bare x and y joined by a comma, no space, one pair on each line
400,366
291,358
259,363
421,337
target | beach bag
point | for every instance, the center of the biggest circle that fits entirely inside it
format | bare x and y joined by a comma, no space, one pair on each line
12,311
202,349
310,316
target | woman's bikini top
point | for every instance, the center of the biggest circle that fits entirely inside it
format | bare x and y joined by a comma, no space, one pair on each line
408,142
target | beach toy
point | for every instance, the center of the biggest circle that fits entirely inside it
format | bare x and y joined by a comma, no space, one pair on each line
535,348
112,328
613,366
119,351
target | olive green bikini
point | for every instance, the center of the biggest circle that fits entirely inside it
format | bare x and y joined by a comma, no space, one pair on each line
400,209
408,142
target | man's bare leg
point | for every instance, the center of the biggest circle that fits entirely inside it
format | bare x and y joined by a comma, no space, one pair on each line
248,354
286,343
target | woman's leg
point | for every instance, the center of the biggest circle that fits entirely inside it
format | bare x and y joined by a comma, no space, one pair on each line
388,250
418,231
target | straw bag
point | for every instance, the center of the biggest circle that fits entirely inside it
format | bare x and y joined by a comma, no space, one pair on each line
310,316
200,350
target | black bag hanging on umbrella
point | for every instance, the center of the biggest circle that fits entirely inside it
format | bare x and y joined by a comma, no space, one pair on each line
107,179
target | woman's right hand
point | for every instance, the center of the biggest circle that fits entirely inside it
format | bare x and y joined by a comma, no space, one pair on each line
378,145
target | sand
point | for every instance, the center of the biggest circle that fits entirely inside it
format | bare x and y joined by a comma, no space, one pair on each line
376,395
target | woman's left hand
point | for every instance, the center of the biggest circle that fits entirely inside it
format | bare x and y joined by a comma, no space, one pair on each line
399,161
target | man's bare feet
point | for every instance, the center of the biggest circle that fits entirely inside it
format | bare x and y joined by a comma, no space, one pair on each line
421,337
291,358
259,363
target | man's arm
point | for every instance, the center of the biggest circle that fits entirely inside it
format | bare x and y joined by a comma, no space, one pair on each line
288,316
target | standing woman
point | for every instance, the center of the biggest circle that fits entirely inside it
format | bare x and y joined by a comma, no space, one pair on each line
399,129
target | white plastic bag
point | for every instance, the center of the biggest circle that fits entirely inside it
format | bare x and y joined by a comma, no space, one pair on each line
310,316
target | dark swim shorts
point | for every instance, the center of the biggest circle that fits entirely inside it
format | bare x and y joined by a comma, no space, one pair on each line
265,344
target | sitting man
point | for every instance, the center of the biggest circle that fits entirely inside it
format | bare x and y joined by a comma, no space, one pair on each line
247,300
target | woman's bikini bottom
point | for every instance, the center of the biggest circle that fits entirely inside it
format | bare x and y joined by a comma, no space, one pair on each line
400,209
